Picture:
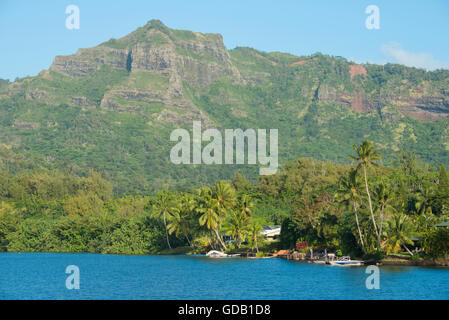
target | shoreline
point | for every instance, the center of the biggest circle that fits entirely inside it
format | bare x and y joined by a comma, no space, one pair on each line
416,263
389,261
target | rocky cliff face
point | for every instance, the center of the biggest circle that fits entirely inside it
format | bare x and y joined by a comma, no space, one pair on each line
199,59
112,107
425,101
427,107
177,58
86,61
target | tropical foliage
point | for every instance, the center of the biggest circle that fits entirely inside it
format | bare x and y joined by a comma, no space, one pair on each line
357,208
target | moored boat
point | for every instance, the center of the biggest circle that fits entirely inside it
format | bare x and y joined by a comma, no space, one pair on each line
345,262
216,254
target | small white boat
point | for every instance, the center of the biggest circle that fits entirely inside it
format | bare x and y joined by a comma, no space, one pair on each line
345,262
216,254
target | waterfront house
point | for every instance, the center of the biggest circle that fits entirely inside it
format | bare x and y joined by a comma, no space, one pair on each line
272,232
442,224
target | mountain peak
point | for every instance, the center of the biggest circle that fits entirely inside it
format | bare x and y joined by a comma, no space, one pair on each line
155,24
126,94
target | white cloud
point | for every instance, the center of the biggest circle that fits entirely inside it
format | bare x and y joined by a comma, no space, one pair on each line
419,60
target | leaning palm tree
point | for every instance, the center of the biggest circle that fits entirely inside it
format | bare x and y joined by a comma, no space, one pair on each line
175,224
225,196
180,218
398,231
348,193
210,218
163,208
366,155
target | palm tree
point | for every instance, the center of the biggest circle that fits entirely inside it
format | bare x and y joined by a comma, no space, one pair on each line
218,200
238,221
423,200
179,221
383,199
208,209
254,231
366,155
424,221
348,193
225,195
398,230
164,209
245,205
236,225
175,224
211,219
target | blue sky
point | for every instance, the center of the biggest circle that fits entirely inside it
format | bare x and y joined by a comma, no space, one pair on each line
411,32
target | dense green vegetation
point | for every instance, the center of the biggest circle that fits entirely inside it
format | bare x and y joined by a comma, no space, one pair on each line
58,121
358,209
84,151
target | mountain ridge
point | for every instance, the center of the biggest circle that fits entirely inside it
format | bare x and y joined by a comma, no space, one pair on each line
111,107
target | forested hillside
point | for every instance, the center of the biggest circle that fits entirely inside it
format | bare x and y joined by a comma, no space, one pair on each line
325,204
112,107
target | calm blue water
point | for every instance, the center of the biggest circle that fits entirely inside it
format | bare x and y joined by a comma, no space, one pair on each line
42,276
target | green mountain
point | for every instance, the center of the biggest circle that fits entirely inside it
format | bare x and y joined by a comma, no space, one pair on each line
112,107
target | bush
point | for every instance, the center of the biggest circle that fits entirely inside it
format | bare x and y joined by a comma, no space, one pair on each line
415,257
200,244
230,248
436,243
377,256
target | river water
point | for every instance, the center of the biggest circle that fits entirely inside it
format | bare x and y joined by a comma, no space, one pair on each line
43,276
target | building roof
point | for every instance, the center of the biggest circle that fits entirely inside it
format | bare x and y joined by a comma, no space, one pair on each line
271,231
272,227
442,224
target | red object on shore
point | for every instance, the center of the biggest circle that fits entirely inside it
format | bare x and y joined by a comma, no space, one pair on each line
301,245
281,253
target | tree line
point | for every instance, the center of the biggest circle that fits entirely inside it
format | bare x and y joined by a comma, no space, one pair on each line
363,209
